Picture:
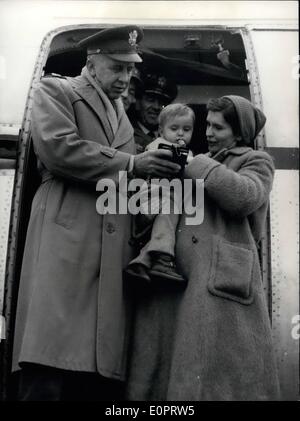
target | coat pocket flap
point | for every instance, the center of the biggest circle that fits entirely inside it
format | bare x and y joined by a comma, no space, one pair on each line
232,271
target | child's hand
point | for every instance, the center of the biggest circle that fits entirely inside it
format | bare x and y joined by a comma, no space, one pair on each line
181,142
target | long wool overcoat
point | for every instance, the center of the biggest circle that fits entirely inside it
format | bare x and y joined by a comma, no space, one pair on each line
212,341
72,310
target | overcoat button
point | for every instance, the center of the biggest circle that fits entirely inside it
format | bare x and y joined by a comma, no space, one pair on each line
110,228
194,239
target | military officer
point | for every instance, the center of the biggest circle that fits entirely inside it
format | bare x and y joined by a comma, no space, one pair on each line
158,91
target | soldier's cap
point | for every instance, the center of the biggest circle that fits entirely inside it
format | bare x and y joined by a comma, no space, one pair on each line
138,83
136,76
160,85
120,43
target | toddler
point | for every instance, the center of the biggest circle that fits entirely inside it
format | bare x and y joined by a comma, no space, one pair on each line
156,260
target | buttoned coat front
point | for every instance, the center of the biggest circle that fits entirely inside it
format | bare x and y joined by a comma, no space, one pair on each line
72,310
213,340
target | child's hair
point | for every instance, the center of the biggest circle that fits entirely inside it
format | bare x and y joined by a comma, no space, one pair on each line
173,110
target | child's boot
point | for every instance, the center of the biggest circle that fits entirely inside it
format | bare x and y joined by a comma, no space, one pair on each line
164,269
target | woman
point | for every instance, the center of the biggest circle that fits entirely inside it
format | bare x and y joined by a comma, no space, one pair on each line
213,341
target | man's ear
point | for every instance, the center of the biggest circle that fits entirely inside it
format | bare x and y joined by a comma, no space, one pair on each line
160,131
91,67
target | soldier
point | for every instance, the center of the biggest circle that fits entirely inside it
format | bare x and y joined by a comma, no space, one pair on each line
158,91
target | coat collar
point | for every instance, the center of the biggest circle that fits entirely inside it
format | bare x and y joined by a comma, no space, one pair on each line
86,91
239,150
222,154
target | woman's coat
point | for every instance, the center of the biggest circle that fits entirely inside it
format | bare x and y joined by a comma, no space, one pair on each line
213,340
72,310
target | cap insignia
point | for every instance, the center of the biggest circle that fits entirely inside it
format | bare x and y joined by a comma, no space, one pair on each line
162,82
132,38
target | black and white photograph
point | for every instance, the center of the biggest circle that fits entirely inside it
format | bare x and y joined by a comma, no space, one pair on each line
149,203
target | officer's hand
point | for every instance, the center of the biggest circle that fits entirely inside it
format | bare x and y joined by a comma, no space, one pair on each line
155,164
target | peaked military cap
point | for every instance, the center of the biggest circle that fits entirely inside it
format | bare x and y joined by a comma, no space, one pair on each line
160,85
138,83
136,76
120,43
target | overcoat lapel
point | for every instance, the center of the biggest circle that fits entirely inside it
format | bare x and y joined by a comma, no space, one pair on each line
124,133
90,95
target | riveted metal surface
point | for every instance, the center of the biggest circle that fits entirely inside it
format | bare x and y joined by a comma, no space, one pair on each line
284,206
260,144
279,89
253,76
10,288
6,187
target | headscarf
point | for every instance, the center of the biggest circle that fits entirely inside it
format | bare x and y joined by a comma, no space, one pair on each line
251,119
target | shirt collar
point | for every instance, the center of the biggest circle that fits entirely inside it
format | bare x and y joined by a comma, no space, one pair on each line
145,130
236,150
